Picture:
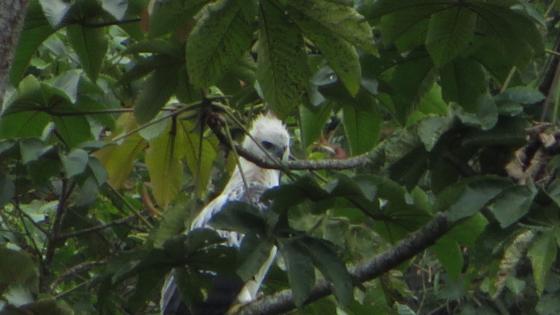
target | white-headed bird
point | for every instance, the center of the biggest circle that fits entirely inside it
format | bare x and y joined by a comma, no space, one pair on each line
267,139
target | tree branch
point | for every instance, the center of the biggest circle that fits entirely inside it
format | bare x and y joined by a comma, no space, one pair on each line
407,248
96,228
12,15
372,157
58,219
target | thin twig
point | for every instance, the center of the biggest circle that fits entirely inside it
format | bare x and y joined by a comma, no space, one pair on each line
96,228
52,239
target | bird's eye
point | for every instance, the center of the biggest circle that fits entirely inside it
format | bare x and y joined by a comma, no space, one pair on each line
267,145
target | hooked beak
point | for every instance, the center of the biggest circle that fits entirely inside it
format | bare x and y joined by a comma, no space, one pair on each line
279,152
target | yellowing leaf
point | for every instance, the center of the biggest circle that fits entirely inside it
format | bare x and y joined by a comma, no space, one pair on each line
163,159
118,160
199,158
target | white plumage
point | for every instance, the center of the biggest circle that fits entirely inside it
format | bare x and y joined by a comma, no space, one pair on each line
268,139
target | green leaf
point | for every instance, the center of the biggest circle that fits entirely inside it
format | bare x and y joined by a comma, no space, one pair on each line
468,197
467,231
340,18
75,162
117,8
90,44
219,39
542,255
301,273
449,33
325,259
73,130
407,26
449,254
254,252
340,54
464,81
241,217
35,30
163,159
512,204
67,84
157,90
282,70
362,124
55,10
521,95
431,129
167,16
29,96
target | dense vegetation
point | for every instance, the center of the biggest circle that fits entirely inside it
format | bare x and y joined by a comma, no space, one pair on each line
120,120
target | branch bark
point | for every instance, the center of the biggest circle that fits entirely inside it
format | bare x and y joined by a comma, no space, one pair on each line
376,155
407,248
12,14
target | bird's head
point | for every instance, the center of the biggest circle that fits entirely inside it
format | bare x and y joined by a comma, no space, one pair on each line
269,137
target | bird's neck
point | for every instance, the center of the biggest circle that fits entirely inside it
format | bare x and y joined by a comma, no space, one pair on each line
252,173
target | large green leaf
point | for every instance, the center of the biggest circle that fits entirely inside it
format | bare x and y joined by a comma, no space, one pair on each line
167,16
470,196
23,125
340,54
163,159
35,30
362,124
301,272
73,130
158,88
449,254
90,44
449,33
340,18
512,204
464,81
325,259
220,37
543,254
282,63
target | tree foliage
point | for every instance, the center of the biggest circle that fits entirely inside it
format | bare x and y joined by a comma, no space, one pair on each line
120,120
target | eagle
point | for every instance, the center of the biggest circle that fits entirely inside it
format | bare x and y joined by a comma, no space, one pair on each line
267,139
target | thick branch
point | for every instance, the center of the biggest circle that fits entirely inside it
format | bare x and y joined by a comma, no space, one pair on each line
53,238
407,248
12,14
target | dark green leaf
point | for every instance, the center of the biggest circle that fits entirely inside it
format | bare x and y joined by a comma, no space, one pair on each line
158,88
254,253
449,254
301,273
341,55
340,18
542,254
512,204
35,30
449,33
325,259
282,66
219,39
362,123
90,44
464,81
241,217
